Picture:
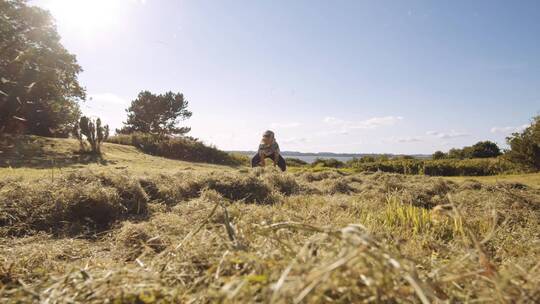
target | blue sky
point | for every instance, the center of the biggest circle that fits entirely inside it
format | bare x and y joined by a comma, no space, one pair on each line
340,76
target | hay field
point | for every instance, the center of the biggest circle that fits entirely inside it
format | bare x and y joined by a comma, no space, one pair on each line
142,229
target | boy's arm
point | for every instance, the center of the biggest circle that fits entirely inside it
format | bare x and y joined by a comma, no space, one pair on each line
276,155
261,155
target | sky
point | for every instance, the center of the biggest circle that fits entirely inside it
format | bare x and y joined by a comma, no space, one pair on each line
355,76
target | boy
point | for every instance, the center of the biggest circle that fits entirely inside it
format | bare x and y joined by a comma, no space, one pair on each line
268,148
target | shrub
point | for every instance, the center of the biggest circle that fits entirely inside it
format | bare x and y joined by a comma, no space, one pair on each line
295,162
482,149
439,167
363,159
240,158
525,146
485,149
467,167
438,155
182,148
403,166
403,157
329,163
456,153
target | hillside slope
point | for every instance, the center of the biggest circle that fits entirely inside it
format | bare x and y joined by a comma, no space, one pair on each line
29,155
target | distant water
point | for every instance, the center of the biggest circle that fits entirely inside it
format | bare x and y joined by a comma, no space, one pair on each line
310,159
307,159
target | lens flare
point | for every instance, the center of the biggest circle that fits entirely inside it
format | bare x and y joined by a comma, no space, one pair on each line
86,16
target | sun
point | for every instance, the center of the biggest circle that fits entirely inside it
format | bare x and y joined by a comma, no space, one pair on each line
86,16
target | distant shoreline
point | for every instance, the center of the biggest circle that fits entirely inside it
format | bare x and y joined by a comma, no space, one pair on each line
296,154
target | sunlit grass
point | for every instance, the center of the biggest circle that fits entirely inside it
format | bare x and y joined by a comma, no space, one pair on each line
404,216
41,162
531,179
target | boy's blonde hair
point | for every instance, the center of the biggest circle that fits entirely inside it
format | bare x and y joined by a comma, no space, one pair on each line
269,134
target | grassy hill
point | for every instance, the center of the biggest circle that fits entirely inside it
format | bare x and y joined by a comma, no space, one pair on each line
34,156
134,228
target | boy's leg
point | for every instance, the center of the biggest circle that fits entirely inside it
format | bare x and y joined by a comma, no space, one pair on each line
281,163
256,160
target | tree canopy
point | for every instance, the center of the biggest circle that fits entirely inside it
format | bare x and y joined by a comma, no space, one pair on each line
439,155
39,89
157,114
482,149
525,146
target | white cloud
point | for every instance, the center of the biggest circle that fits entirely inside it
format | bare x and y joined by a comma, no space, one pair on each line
409,139
295,140
333,121
406,139
371,123
376,122
341,131
447,135
285,125
508,130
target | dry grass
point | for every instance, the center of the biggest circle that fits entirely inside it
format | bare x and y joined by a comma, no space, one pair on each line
262,236
36,157
531,180
142,229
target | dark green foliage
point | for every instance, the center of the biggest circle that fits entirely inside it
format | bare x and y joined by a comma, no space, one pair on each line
157,114
375,158
93,132
525,146
467,167
403,157
329,162
439,167
456,153
181,148
367,159
482,149
39,89
439,155
295,162
485,149
403,166
382,158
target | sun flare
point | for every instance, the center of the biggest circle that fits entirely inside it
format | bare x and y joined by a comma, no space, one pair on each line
87,16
